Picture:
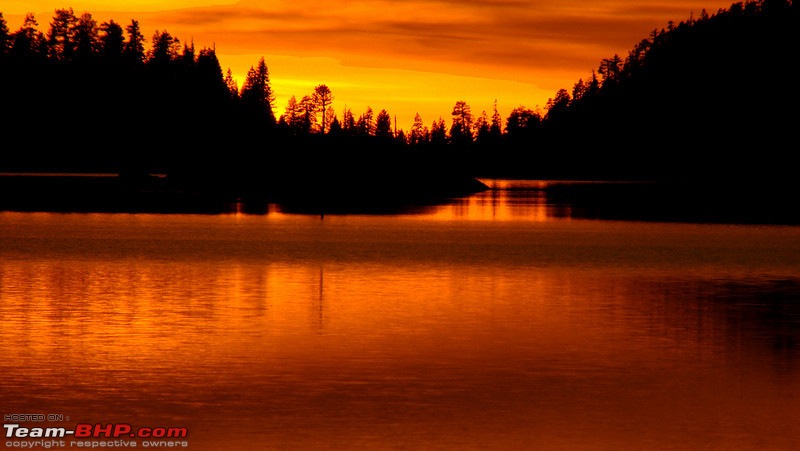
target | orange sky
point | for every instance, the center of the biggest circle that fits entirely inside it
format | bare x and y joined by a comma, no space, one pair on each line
409,56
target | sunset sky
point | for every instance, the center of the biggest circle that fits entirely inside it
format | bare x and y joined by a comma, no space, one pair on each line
408,57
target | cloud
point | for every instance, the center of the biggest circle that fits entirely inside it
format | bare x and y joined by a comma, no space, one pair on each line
453,36
447,35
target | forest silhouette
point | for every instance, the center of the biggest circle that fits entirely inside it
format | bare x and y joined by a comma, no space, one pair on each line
708,99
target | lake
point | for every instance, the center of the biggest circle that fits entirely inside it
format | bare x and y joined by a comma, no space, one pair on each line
501,321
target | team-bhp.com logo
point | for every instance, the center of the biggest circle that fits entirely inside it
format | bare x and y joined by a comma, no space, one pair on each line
85,435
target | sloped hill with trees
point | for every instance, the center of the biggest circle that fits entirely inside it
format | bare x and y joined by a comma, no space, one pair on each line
710,97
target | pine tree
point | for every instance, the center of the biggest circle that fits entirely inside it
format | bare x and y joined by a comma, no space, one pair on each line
134,48
257,93
383,125
323,98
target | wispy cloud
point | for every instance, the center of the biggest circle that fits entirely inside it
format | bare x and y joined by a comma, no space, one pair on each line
448,35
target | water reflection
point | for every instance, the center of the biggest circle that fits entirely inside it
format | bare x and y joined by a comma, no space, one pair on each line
372,332
506,200
546,200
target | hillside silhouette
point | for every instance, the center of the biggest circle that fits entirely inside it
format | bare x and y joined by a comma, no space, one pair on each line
707,99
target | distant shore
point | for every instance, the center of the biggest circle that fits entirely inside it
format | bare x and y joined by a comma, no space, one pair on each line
698,201
156,193
683,201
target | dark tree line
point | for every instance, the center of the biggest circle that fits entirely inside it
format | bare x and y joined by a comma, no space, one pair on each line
89,96
84,95
710,97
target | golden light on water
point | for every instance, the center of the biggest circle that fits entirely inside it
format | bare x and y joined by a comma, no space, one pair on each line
438,329
505,201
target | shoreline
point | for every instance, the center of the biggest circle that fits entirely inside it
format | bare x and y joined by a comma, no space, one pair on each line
392,193
110,193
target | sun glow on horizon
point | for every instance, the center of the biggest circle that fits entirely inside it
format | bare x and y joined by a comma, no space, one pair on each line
402,93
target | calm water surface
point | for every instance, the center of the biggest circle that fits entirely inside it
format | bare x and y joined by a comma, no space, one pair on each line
498,322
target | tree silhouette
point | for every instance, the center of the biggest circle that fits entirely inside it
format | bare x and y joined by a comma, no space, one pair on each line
28,43
438,133
461,129
134,48
522,123
558,107
112,41
188,57
209,74
633,63
578,89
348,122
335,128
482,128
291,117
383,125
5,36
257,95
61,39
86,37
322,98
496,128
329,117
401,138
610,68
365,125
231,85
166,49
419,132
308,115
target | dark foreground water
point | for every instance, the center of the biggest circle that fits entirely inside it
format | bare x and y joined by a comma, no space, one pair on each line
498,322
